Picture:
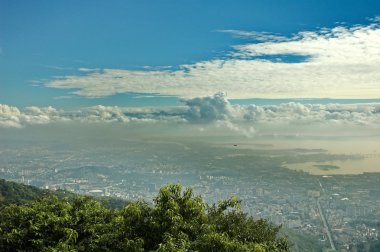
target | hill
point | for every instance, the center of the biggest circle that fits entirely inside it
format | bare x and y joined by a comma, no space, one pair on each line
177,221
12,192
15,193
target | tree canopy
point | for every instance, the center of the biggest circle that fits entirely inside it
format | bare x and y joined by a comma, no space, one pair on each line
177,221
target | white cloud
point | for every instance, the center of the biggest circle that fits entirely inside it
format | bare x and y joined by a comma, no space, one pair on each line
209,113
342,62
9,116
254,35
218,108
208,109
14,117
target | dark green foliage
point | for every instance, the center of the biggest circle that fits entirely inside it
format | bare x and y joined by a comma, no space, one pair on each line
177,221
302,242
11,192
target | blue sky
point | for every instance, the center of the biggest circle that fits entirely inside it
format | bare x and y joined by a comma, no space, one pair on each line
43,41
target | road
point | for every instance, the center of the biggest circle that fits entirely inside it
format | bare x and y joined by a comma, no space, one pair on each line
329,236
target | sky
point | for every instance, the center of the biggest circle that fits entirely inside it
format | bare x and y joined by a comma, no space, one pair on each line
148,53
229,63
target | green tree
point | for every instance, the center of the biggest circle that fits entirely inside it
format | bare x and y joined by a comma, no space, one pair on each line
177,221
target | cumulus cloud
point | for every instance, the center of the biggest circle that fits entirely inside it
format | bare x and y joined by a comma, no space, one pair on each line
16,118
218,109
207,109
9,116
297,113
342,62
213,110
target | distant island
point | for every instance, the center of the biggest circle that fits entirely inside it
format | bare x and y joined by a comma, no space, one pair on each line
327,167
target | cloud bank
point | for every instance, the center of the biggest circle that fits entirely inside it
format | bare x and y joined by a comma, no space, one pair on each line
342,62
201,112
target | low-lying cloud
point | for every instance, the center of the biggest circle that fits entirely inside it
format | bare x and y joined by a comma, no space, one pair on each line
203,112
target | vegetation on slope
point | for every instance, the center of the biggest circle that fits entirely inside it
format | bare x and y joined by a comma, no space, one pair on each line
301,242
15,193
177,221
12,192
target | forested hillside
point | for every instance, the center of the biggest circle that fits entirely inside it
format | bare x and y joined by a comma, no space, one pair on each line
177,221
12,192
